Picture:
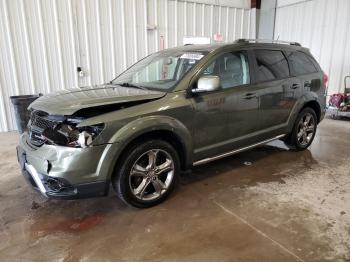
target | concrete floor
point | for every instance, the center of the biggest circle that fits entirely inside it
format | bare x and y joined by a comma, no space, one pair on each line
268,204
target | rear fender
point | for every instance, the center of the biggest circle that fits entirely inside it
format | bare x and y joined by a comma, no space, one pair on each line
302,101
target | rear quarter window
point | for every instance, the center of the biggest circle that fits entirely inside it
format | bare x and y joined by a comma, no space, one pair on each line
301,63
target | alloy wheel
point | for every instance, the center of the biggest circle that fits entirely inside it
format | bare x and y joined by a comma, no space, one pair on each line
151,174
306,129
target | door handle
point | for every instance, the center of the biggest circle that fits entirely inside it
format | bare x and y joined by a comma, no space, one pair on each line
249,95
295,86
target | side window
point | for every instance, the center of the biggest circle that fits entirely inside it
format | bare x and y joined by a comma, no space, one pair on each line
301,63
232,68
271,65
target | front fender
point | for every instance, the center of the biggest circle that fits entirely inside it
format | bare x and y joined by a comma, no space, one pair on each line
138,127
147,124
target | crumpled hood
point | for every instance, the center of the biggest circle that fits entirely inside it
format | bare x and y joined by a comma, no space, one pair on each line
69,101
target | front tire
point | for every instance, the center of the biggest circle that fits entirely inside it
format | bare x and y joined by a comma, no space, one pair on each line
304,130
148,173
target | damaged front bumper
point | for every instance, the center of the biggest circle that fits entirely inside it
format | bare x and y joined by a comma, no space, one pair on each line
63,172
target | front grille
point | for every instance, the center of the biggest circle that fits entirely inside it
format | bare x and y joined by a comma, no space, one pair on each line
39,121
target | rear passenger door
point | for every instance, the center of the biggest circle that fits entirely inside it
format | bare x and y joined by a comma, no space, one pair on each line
304,72
276,96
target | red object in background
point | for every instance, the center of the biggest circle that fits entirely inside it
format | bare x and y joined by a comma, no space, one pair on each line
336,100
218,38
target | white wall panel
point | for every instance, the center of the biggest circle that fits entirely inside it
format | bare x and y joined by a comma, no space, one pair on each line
42,42
323,26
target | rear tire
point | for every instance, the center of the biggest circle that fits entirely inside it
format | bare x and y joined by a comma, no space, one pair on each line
148,174
304,130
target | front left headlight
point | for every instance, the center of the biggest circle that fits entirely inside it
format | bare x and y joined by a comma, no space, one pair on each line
84,139
87,135
67,134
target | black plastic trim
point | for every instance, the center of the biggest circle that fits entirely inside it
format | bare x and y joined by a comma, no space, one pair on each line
87,190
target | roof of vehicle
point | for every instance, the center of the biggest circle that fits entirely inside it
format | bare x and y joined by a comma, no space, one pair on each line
241,42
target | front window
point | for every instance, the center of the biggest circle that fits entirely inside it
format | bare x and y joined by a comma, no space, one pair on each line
232,68
160,71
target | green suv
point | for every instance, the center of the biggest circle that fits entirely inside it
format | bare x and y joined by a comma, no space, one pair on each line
174,109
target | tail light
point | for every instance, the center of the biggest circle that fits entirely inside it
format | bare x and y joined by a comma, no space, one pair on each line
325,82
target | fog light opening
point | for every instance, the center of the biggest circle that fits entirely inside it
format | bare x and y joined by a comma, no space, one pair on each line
56,185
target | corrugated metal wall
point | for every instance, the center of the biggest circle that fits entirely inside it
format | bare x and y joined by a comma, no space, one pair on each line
42,42
324,27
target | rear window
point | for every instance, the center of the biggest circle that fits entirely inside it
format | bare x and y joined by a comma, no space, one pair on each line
301,63
272,65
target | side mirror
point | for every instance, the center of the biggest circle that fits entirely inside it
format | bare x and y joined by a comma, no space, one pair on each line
207,84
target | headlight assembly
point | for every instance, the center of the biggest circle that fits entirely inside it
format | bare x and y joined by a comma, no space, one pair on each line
67,134
84,139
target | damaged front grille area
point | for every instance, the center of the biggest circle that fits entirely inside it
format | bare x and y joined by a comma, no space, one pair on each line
40,121
35,138
60,130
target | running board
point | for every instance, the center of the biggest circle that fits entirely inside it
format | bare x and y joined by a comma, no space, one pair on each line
209,159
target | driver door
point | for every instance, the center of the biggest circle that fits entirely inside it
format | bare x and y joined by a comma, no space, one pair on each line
225,118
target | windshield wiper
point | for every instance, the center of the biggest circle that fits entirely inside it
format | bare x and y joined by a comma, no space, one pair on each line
126,84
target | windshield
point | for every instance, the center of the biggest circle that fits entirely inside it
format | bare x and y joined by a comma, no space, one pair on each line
160,71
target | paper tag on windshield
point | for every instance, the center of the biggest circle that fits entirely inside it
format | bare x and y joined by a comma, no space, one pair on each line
192,56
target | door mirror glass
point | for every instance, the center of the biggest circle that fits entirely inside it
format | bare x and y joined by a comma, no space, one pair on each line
207,84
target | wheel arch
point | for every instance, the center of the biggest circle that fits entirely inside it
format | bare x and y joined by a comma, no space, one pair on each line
153,127
313,104
307,100
161,134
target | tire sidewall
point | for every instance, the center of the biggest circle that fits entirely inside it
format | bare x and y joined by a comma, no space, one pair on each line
121,184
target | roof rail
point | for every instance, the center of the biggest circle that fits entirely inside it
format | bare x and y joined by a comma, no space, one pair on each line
270,41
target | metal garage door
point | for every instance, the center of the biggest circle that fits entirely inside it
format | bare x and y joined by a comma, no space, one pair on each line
42,42
324,27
